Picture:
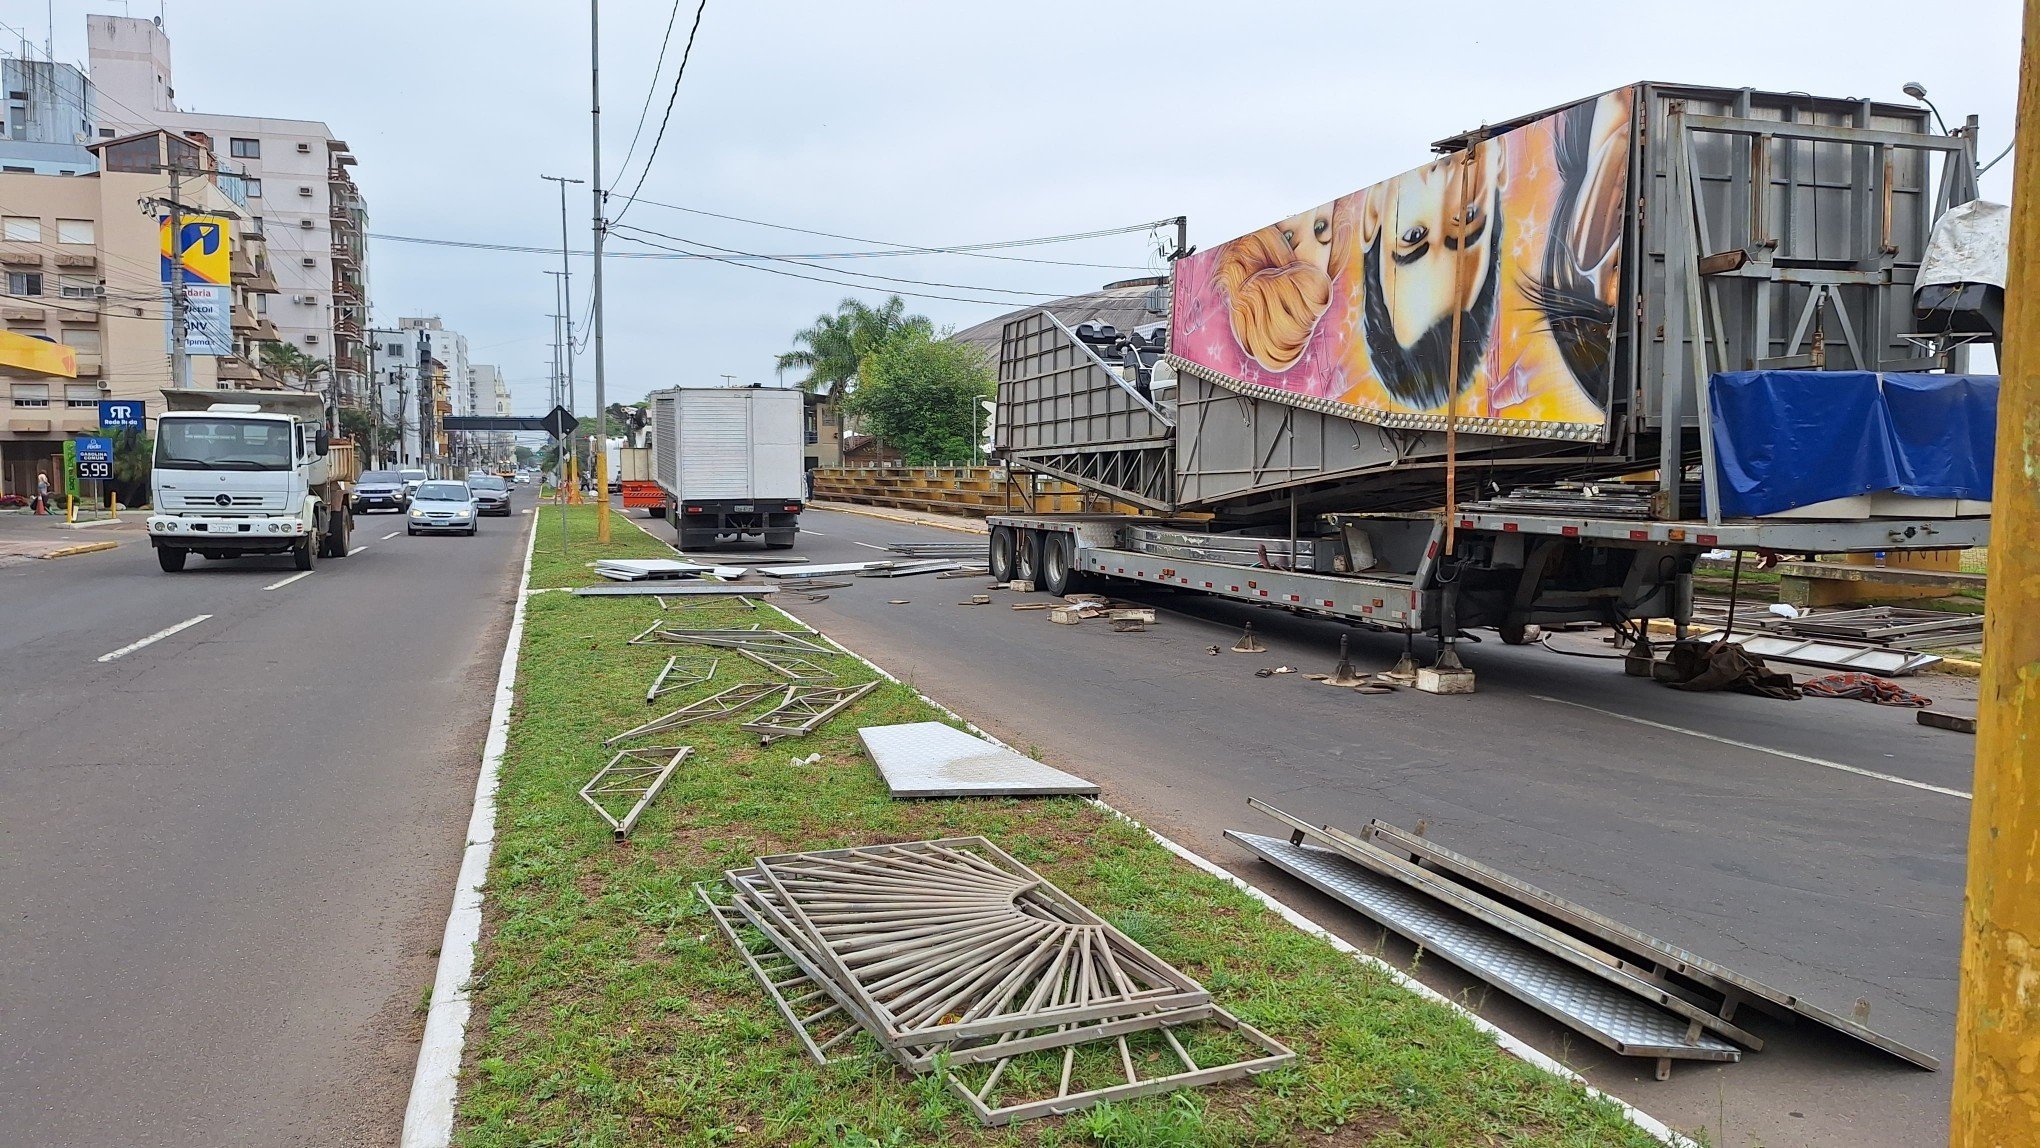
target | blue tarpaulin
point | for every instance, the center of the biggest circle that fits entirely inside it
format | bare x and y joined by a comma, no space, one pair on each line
1784,439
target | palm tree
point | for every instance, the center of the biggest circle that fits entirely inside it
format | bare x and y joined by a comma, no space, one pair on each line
288,364
835,345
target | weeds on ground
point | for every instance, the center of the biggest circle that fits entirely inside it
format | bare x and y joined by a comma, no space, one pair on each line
608,1009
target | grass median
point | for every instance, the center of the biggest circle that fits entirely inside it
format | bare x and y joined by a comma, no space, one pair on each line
609,1011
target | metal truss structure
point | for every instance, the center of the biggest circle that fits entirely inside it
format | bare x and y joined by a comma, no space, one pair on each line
633,773
802,709
735,699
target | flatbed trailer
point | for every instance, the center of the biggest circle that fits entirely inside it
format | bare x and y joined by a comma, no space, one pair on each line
1297,448
1491,583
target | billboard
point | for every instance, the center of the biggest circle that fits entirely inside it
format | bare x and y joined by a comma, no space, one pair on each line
206,248
1350,308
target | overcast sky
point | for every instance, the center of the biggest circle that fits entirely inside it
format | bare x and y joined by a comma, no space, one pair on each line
941,123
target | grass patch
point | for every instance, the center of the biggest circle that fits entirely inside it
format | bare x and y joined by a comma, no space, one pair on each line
554,566
609,1011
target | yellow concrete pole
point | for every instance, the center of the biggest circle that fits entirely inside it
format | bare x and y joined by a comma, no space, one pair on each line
602,494
1997,1023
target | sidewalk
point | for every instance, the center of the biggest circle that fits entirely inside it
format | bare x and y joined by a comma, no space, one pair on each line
24,535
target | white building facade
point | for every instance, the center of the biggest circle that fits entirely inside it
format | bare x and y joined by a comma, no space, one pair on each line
301,194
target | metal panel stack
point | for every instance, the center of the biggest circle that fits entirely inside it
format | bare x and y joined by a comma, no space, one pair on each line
958,960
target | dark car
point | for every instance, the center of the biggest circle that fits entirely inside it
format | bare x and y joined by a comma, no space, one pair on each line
492,494
380,490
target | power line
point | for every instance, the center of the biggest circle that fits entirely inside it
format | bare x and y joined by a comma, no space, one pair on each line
734,253
979,250
673,96
651,89
818,279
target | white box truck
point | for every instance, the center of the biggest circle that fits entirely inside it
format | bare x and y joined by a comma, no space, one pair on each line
729,461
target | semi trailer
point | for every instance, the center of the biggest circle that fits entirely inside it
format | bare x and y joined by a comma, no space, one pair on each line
1532,381
728,460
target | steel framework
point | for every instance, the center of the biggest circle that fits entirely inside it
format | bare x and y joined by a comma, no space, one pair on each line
741,696
633,773
790,666
665,683
802,709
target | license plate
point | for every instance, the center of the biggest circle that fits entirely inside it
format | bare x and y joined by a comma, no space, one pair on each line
744,508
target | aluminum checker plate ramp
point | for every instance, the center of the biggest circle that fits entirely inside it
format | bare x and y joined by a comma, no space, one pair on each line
1582,1002
930,759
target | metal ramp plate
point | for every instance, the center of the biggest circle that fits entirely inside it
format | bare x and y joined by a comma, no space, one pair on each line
1592,1006
1830,653
929,759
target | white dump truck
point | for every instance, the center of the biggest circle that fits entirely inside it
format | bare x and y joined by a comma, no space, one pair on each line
248,473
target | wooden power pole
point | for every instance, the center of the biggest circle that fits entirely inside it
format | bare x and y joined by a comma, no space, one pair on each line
1997,1022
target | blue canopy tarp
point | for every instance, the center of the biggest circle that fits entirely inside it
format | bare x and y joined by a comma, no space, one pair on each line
1784,439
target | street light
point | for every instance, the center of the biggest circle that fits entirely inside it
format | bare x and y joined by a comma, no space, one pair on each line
1918,91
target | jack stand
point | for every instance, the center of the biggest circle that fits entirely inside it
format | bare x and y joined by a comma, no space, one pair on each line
1344,674
1447,675
1405,668
1638,661
1248,643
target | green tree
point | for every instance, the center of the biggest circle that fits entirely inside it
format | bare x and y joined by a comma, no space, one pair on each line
832,350
525,456
292,367
920,395
627,418
133,462
355,424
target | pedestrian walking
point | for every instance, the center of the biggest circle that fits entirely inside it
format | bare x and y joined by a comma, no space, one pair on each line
42,492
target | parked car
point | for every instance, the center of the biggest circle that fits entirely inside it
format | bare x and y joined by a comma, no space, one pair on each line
440,506
412,477
380,490
492,494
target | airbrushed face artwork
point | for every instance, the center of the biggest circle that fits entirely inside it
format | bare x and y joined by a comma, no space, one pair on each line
1355,301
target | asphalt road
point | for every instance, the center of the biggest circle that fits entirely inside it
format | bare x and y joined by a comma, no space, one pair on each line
226,856
1839,886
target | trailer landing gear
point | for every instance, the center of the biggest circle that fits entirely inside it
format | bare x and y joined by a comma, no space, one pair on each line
1446,675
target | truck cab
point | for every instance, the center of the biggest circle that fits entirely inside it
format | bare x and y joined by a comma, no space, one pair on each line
241,478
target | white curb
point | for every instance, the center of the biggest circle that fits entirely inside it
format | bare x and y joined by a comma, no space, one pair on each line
428,1117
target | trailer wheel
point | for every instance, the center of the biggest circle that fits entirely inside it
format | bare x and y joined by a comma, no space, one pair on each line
656,511
1000,556
1057,556
170,558
1027,557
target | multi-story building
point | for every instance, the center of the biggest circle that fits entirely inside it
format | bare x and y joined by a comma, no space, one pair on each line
420,373
300,192
82,267
50,118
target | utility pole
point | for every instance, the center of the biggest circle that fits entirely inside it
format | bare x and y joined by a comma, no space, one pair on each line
566,297
1997,1023
425,398
180,355
595,304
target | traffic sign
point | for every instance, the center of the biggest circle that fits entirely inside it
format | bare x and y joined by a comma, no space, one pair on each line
122,414
561,422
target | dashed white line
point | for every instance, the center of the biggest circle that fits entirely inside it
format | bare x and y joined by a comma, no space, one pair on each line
868,545
1822,762
356,550
816,533
391,534
158,636
288,581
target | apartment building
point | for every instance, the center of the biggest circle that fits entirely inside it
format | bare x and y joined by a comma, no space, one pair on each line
301,194
50,118
82,267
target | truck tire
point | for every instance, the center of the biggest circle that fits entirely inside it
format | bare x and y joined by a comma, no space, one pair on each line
1058,555
1027,557
303,553
342,534
656,511
1001,553
170,558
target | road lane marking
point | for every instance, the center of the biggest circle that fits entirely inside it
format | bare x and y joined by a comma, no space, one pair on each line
868,545
1822,762
391,534
288,581
816,533
158,636
356,550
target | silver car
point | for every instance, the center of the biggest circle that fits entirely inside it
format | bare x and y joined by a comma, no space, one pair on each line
442,507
